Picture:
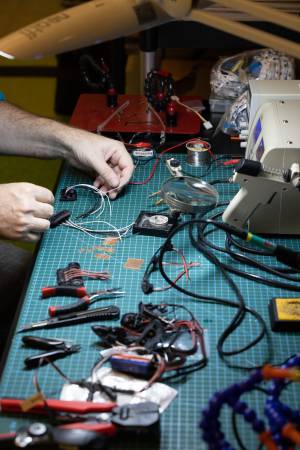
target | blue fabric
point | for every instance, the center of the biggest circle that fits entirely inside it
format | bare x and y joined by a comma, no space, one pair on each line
2,96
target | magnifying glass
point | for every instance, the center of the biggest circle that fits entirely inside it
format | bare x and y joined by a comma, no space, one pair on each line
189,195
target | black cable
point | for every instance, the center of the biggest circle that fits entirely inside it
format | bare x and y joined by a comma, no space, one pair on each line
236,431
225,181
234,423
277,271
242,308
251,262
254,263
234,287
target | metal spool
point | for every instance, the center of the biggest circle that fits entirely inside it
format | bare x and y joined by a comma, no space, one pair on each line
198,153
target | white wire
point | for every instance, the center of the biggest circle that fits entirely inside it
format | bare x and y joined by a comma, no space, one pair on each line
176,99
84,185
81,226
101,207
121,232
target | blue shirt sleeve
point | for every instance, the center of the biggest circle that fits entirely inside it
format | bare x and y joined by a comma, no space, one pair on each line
2,96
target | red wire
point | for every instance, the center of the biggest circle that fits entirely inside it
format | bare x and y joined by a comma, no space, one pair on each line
149,178
186,270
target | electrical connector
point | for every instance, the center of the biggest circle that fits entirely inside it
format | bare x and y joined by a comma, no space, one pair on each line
207,125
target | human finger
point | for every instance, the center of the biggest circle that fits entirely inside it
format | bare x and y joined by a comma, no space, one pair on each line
43,195
43,210
32,237
108,175
38,225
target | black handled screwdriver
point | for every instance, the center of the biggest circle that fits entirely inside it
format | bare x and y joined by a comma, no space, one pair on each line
105,313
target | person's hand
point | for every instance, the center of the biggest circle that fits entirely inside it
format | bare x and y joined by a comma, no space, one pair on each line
107,158
24,211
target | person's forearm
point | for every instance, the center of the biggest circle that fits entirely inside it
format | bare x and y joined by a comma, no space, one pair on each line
25,134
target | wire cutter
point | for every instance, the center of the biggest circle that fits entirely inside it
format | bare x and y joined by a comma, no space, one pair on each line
56,349
77,426
85,298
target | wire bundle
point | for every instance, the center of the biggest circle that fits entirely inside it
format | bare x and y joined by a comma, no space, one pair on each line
98,209
73,272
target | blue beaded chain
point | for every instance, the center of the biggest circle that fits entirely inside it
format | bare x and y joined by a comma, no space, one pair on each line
277,414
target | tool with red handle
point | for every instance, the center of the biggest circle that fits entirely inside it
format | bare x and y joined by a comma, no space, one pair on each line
59,291
138,417
14,405
84,302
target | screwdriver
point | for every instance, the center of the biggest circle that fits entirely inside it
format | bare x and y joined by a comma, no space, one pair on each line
105,313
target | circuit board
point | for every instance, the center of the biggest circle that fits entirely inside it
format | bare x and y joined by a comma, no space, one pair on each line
59,246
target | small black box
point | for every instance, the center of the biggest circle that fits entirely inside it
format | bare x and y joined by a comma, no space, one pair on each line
154,224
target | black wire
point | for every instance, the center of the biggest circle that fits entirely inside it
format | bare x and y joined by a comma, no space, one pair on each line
250,261
234,416
225,181
240,305
234,423
186,370
236,431
234,287
91,210
277,271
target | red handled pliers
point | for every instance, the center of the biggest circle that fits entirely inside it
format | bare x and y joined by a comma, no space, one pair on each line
85,298
134,417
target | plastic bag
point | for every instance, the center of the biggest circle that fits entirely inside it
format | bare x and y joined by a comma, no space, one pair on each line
236,116
230,76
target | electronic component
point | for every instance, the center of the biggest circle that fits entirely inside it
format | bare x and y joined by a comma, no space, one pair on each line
174,167
63,278
58,218
143,153
285,314
153,224
68,195
138,365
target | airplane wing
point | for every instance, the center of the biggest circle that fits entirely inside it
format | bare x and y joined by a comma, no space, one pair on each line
97,21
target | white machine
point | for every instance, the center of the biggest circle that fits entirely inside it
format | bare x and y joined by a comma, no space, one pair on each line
269,198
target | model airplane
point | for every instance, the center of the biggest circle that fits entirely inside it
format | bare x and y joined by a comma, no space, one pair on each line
97,21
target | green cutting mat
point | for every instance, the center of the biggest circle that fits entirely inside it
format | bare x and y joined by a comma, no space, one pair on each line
179,429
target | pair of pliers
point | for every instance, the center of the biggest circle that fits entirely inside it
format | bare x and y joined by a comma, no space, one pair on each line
132,417
55,349
85,298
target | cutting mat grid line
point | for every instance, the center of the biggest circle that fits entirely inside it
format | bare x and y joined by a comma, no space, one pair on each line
63,245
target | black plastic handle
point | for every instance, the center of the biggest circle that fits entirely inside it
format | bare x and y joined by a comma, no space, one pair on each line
43,343
42,359
80,305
